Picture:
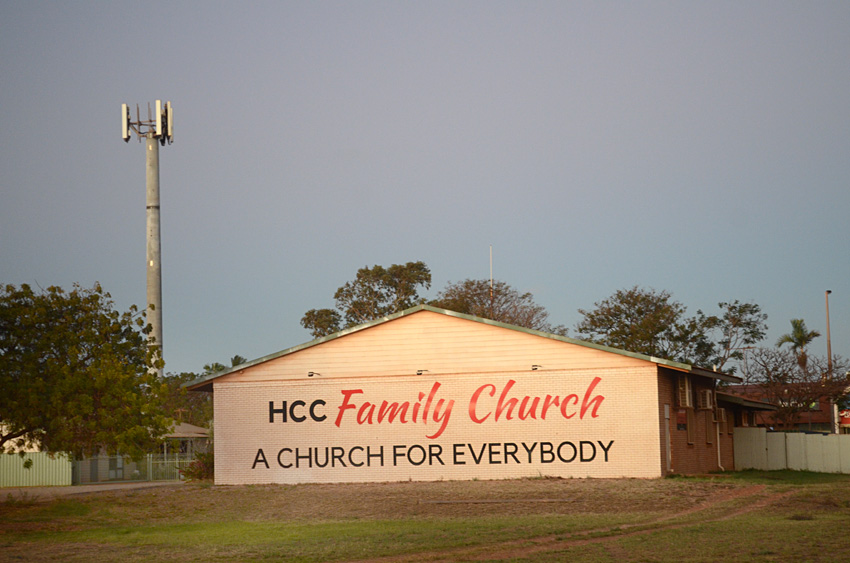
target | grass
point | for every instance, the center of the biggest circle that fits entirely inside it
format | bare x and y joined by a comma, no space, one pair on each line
785,476
803,517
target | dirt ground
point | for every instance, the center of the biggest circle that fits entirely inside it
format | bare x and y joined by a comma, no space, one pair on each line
407,499
50,493
657,505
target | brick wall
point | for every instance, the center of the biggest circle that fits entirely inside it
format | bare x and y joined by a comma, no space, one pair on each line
700,454
666,388
334,431
448,375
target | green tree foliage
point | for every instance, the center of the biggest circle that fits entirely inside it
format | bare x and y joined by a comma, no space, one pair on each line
740,326
195,407
76,375
216,367
799,338
321,322
201,468
650,322
647,322
183,406
504,304
374,293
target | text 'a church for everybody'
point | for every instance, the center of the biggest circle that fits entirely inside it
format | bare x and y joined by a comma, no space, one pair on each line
429,394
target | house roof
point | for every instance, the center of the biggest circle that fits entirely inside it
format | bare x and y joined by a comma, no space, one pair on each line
186,430
745,402
205,383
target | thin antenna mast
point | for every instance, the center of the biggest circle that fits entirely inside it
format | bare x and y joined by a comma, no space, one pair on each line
156,130
491,281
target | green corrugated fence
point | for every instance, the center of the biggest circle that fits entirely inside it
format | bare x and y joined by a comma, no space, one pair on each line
44,472
59,471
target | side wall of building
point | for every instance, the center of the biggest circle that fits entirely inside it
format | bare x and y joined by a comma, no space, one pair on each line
492,425
699,441
430,396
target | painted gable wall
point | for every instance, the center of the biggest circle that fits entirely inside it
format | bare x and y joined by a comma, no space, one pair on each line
478,412
434,342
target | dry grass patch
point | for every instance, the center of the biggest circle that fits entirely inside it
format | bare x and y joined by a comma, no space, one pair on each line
523,520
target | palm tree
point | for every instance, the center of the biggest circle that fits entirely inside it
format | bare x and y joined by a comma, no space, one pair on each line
799,338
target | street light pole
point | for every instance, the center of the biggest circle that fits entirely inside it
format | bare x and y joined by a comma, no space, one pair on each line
833,408
828,342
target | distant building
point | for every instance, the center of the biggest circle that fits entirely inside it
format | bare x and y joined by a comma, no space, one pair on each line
186,438
812,417
180,445
178,448
429,394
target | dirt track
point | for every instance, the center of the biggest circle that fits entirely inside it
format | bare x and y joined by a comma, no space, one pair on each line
644,507
514,549
49,493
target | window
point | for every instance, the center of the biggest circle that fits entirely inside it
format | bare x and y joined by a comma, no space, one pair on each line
705,399
709,427
720,416
683,391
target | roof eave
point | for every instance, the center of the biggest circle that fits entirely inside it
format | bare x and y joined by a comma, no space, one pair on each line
744,402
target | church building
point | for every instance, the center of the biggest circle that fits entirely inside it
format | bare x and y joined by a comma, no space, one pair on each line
430,394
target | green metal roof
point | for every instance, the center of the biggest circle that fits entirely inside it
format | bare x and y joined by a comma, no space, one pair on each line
206,381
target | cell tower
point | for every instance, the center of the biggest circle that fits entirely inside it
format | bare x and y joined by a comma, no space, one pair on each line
156,129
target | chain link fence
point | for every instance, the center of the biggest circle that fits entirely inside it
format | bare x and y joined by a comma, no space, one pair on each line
110,469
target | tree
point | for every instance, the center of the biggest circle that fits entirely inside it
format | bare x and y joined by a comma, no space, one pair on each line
194,407
216,367
650,322
374,293
741,326
321,322
76,375
793,387
799,338
504,304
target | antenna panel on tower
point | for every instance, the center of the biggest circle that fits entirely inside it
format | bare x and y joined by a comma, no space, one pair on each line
125,122
169,120
157,118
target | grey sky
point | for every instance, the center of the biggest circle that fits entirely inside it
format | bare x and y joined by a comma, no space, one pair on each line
697,147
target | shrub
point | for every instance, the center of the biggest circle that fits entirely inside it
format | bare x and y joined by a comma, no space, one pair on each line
202,467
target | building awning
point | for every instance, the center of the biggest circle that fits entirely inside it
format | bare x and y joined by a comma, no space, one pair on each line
744,402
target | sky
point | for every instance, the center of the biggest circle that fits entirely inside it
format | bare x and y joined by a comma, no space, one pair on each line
695,147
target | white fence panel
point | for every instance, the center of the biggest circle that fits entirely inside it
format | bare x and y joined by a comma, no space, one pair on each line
776,451
844,452
814,453
795,446
750,448
832,453
755,448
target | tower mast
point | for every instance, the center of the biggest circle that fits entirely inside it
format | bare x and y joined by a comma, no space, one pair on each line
156,130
